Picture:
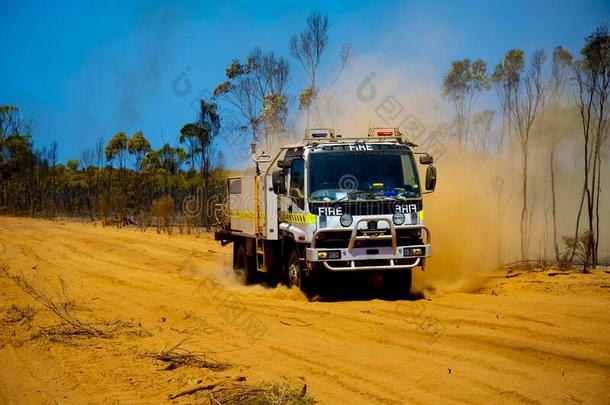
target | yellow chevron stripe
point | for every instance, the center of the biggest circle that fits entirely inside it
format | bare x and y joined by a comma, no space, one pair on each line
284,217
251,215
297,218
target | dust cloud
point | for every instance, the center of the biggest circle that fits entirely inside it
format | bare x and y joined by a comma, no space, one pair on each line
467,230
227,280
474,213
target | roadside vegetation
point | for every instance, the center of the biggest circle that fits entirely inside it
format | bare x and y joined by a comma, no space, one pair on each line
124,180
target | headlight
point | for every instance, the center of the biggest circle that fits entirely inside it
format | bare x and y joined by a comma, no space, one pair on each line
346,220
329,254
398,218
413,252
334,254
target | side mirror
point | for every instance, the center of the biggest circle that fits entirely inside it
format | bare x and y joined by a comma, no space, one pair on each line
430,178
279,182
426,160
284,164
296,193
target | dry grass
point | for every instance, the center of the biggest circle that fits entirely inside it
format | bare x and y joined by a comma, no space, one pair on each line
230,390
62,308
265,394
18,314
528,266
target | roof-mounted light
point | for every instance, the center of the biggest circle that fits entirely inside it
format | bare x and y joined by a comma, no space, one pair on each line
320,133
384,132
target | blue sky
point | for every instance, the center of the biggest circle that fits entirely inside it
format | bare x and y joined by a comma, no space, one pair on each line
84,70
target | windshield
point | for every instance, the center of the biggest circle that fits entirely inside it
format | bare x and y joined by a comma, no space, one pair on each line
362,176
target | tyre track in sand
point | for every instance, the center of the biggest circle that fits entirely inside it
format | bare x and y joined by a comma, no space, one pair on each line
521,346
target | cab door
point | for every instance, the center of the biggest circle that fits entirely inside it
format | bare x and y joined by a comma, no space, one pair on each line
293,201
294,211
296,186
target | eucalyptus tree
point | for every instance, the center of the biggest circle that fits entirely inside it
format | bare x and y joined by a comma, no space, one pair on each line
116,149
202,133
505,79
138,146
592,77
521,93
308,47
462,85
257,90
560,68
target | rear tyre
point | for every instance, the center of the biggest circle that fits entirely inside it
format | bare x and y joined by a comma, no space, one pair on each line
244,266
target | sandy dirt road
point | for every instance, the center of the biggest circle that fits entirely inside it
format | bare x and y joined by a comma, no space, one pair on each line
533,338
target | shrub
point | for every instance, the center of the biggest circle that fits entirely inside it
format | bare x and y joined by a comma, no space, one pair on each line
163,211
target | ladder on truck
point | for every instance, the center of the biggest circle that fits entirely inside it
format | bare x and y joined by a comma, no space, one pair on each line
259,245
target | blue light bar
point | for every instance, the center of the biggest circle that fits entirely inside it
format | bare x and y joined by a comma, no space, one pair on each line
320,134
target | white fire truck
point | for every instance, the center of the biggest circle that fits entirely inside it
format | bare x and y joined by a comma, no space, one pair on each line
330,205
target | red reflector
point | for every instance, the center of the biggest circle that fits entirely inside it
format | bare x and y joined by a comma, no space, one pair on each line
385,133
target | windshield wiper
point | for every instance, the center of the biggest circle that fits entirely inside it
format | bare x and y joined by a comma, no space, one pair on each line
346,197
334,203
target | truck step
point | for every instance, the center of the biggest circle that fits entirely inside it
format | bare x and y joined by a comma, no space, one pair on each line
260,260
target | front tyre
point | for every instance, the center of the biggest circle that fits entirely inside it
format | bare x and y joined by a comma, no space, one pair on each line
296,274
398,283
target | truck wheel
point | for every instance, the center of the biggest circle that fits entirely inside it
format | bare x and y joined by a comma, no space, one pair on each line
398,283
296,275
244,267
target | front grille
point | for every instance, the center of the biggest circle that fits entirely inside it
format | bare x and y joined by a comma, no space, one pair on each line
358,264
408,237
364,263
404,262
339,263
366,207
333,240
340,239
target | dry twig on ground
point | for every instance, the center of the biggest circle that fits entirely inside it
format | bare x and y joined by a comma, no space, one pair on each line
70,325
176,356
227,392
18,314
208,386
263,394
